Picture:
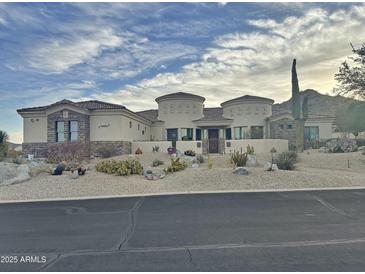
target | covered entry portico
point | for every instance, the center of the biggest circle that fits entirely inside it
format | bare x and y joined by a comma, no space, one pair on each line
213,135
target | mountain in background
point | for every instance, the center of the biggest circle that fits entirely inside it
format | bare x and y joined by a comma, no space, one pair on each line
319,105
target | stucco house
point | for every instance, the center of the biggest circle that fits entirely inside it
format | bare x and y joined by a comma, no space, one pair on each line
180,116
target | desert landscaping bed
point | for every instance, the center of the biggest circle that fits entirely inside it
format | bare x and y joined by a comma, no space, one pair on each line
313,170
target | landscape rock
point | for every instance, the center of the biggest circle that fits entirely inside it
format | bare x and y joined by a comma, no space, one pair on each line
195,165
268,167
240,171
251,160
189,159
362,148
323,149
75,174
13,173
153,174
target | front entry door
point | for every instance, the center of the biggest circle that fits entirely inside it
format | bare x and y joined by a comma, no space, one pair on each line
213,137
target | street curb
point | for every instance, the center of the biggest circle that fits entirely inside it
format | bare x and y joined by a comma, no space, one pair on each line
181,193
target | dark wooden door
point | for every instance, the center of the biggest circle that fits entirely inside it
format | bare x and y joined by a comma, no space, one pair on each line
213,137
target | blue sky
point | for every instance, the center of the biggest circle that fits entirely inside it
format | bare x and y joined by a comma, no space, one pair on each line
131,53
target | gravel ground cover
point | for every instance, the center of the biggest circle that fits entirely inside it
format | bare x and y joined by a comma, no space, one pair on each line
314,170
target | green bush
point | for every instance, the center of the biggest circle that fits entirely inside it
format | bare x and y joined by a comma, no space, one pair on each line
286,160
106,152
157,162
176,165
120,168
250,150
360,142
239,159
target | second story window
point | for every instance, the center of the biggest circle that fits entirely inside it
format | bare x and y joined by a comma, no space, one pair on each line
130,124
73,133
60,131
139,126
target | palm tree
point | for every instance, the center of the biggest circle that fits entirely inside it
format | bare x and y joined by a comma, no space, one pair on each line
4,137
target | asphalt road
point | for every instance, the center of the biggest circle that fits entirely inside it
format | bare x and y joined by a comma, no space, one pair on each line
286,231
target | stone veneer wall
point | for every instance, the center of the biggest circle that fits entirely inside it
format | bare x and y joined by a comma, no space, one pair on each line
221,145
39,150
121,147
83,120
285,133
205,146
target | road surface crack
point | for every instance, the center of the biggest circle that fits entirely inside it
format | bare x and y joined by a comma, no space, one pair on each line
133,217
333,208
50,263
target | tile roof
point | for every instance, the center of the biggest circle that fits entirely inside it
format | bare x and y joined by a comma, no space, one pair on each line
247,98
89,105
150,114
213,114
179,95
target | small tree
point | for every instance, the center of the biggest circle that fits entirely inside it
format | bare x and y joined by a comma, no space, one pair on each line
4,137
351,78
351,119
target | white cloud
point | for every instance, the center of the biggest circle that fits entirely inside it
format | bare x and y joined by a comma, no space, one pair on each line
16,137
259,62
56,56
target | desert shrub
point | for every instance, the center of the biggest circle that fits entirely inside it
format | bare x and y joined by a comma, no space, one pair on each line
239,159
286,160
189,152
157,162
106,152
341,145
120,168
138,151
176,165
155,148
13,153
200,159
360,142
69,152
250,150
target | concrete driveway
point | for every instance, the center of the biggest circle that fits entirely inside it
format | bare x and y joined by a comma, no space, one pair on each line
284,231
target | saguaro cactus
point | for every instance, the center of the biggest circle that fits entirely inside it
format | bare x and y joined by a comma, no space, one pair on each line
295,91
297,109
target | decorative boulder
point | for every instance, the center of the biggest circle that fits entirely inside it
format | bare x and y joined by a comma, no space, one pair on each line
153,173
323,149
269,167
13,173
75,174
362,148
240,171
195,165
59,169
251,160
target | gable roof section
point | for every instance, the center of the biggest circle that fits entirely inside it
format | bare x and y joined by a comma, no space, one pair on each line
87,105
150,114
